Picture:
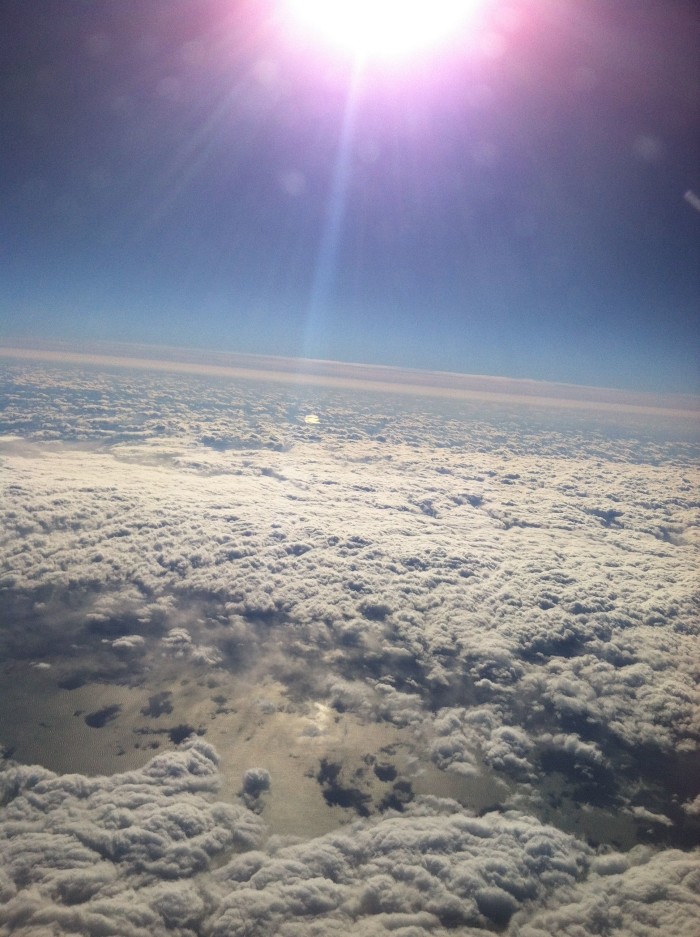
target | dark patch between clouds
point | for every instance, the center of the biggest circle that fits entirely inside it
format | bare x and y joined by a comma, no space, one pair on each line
669,779
375,611
220,702
678,772
74,680
592,783
385,772
583,725
662,780
608,518
568,641
223,443
101,717
179,733
496,904
110,627
297,549
338,795
398,797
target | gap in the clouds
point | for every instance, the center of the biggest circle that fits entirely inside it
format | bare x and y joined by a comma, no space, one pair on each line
65,694
253,700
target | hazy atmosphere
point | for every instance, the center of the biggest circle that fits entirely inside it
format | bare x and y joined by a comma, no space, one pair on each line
349,441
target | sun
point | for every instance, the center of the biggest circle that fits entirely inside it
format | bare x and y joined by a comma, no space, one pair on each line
385,30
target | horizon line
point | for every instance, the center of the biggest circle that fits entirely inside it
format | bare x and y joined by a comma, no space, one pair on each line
330,373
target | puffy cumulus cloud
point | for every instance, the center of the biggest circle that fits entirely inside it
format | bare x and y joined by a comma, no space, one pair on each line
115,855
131,642
693,806
647,895
431,870
637,703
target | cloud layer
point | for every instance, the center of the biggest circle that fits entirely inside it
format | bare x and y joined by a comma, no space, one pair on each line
400,617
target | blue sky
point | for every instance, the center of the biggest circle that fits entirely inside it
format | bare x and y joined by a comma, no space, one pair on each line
191,173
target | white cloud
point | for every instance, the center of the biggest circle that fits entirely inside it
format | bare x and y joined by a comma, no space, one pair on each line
434,867
95,854
476,602
657,894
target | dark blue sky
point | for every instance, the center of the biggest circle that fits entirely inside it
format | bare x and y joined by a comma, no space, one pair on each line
189,172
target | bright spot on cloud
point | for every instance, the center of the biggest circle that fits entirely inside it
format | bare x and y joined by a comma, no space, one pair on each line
312,419
385,30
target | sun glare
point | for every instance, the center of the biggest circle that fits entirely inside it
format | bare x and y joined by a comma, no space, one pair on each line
384,30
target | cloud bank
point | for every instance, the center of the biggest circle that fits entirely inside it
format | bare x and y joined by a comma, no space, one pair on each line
414,667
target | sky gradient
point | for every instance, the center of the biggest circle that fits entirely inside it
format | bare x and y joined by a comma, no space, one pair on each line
200,173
